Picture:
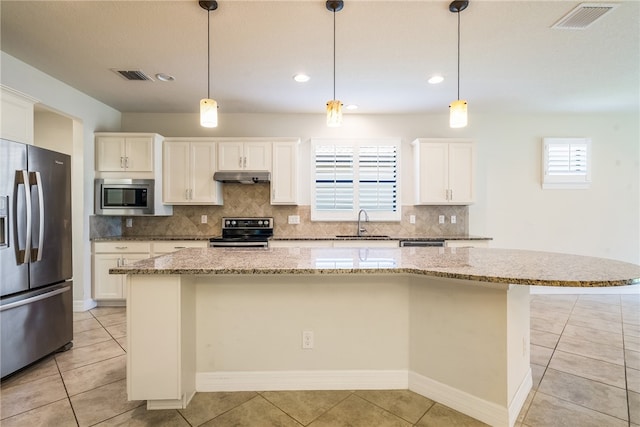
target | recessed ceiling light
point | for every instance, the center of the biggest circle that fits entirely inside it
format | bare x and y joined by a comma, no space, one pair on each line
351,107
301,78
435,79
165,77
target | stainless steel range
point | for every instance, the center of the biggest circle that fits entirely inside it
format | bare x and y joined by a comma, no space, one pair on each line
244,232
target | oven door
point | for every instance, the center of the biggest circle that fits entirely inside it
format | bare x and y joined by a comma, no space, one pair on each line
238,243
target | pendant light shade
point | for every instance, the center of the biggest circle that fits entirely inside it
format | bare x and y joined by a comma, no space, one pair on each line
208,106
334,107
458,108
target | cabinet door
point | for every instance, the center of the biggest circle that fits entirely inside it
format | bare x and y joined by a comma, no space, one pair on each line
139,154
432,165
203,159
129,259
106,286
230,156
257,156
110,154
461,172
175,173
284,175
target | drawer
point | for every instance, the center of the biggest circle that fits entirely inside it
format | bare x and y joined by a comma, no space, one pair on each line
122,246
166,246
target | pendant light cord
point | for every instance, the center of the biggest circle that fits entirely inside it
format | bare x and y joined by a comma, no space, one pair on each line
458,55
209,54
334,53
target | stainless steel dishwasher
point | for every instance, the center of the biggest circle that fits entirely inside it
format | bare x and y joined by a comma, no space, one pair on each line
422,243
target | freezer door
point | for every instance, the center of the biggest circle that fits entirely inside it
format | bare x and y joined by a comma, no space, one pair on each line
14,273
50,183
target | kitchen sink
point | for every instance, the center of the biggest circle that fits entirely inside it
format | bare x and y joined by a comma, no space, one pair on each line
366,236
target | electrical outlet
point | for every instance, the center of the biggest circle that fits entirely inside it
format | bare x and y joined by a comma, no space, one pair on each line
294,219
203,219
412,219
129,222
441,219
453,219
307,340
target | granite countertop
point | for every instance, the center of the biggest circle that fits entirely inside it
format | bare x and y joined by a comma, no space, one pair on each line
476,264
148,238
365,237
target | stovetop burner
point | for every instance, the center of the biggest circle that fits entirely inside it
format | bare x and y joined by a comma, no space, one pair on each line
244,232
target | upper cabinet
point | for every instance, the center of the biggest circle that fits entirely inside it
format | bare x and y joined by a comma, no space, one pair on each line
128,155
187,175
16,112
284,175
444,171
234,156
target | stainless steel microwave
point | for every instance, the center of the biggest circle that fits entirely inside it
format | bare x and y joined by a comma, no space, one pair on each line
124,197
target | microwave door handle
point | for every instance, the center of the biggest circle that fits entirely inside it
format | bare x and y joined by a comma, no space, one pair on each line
22,177
36,179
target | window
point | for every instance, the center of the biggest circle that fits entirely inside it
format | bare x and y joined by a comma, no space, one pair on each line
566,163
352,175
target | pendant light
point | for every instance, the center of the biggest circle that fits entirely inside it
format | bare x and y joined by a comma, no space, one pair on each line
458,108
334,107
208,106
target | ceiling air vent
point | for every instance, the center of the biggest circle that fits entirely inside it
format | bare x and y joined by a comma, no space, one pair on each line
132,75
583,16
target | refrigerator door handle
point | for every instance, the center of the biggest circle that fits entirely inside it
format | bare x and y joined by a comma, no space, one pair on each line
24,256
34,299
35,179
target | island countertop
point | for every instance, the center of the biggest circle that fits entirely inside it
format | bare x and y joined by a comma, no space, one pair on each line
505,266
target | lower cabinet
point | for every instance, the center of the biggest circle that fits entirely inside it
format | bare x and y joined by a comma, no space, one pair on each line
107,255
163,247
466,243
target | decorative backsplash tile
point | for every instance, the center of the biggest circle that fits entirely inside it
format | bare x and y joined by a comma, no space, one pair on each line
254,201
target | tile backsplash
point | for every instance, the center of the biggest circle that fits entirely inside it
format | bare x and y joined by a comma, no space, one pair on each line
254,201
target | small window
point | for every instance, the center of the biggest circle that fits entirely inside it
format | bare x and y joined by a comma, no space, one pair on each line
566,163
352,175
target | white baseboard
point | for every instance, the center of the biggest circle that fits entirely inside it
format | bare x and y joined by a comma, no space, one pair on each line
517,403
301,380
84,305
480,409
611,290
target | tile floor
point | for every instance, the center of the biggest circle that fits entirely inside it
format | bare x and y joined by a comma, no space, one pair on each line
585,356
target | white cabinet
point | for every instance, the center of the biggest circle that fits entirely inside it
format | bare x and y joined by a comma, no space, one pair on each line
284,175
444,171
187,173
466,243
163,247
124,153
107,255
16,112
237,155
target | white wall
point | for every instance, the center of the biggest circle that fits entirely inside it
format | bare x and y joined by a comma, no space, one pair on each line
511,206
88,116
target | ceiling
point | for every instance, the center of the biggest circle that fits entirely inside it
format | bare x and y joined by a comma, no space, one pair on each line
511,58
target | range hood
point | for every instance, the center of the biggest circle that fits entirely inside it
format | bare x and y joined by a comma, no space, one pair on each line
243,177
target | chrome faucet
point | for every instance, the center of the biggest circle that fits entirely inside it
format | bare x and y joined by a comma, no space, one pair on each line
366,219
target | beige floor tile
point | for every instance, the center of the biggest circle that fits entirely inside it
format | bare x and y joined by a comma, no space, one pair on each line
544,339
442,416
598,306
525,407
82,315
586,315
593,323
548,411
205,406
540,355
593,335
632,359
581,391
102,403
24,397
77,357
633,380
357,412
593,350
112,319
593,369
44,368
85,325
255,412
405,404
95,375
123,342
107,311
118,330
58,414
140,417
631,330
92,336
634,407
600,298
632,343
305,406
537,372
542,324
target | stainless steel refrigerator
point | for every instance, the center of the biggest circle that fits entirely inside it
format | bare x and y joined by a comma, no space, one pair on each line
36,311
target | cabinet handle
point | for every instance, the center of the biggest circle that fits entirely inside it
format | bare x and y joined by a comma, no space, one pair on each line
240,162
191,194
118,262
126,162
121,247
451,195
179,247
122,162
186,194
245,162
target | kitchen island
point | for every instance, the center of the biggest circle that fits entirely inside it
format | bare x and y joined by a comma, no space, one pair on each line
449,323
